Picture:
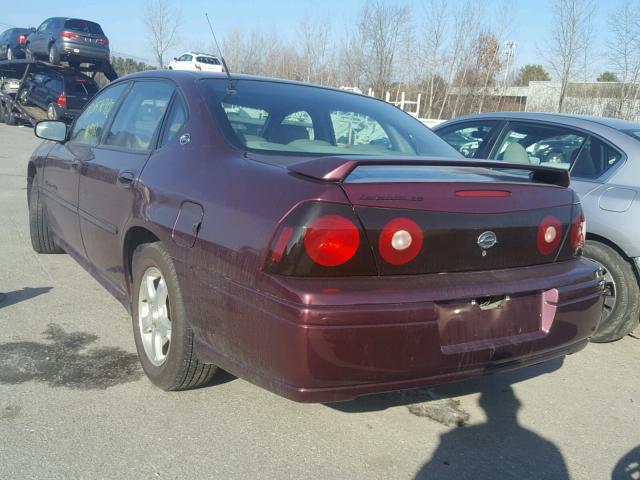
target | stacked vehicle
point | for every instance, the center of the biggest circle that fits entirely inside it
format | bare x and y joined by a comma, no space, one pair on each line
40,87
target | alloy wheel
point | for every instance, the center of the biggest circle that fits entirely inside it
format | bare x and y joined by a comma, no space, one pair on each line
154,316
610,292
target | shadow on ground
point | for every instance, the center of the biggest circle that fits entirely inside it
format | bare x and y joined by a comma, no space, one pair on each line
64,361
628,468
17,296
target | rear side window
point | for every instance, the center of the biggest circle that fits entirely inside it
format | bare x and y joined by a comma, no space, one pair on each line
176,119
595,158
140,115
208,60
247,122
83,26
540,145
468,138
354,129
89,125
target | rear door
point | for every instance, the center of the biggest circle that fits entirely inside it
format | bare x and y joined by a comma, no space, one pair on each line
79,90
107,193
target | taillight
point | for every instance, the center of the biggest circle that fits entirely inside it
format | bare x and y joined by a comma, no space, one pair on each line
578,233
331,240
102,41
549,235
400,241
320,239
22,39
62,100
69,35
198,67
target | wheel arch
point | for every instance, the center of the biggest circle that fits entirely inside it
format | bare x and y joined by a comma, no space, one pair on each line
620,251
136,235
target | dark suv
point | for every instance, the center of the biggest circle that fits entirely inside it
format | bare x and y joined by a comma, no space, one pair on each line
72,39
61,94
12,42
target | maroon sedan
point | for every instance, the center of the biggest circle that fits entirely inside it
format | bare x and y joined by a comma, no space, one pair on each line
315,242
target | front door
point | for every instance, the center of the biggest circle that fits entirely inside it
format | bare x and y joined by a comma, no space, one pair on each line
107,193
63,164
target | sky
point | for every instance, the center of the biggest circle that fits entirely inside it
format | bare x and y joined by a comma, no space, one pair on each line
122,21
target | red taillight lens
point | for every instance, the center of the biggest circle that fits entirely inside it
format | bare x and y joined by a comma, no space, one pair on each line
62,100
483,193
22,39
549,235
70,35
320,239
103,41
198,67
332,240
400,241
578,233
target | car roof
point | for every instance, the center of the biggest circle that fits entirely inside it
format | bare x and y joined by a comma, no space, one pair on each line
200,53
566,118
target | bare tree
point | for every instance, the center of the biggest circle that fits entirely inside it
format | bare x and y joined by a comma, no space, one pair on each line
623,51
162,22
382,29
570,40
436,20
314,36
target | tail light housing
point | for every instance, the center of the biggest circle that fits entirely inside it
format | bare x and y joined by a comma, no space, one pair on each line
400,241
549,235
320,239
62,100
578,232
102,41
198,67
69,35
22,39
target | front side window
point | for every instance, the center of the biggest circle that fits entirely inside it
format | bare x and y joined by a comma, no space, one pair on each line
188,58
540,145
140,115
279,117
468,138
89,125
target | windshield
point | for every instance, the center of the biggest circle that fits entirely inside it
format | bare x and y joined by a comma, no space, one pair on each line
274,117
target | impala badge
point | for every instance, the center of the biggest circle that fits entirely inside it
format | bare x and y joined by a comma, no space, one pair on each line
487,240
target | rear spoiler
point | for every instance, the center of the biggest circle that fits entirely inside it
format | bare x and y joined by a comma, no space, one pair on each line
337,169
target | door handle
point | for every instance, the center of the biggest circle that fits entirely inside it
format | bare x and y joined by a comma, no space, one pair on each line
126,178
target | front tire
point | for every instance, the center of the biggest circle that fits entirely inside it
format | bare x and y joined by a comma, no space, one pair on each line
162,334
622,294
41,238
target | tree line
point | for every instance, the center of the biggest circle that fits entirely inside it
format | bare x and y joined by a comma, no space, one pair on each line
456,54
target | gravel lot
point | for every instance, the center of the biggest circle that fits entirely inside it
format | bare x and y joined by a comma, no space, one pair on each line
74,403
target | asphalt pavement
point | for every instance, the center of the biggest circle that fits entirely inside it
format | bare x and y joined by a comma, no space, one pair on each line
74,403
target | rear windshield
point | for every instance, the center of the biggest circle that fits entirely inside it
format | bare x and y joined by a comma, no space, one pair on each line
283,118
81,86
83,26
208,60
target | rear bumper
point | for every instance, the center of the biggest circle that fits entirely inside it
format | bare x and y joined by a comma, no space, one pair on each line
322,340
84,51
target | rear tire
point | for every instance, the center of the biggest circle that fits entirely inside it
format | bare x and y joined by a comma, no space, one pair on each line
52,112
622,298
9,118
54,55
162,334
41,238
2,115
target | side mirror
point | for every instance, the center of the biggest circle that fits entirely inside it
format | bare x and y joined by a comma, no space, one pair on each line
51,130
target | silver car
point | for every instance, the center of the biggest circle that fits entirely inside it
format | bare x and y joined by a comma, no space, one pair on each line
599,154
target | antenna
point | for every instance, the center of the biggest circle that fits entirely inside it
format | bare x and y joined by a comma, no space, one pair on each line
224,64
